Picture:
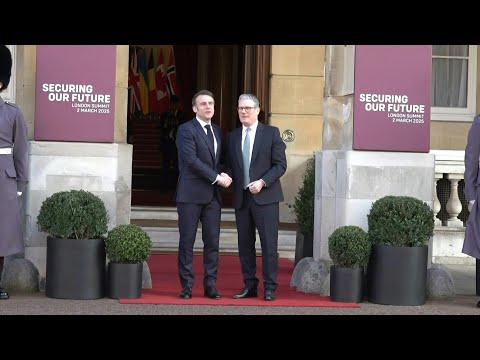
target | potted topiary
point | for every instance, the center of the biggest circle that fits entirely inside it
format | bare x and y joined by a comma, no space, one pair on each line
75,222
349,249
303,209
127,247
399,228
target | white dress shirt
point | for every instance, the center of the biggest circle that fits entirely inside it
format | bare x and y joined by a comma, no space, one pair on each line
203,123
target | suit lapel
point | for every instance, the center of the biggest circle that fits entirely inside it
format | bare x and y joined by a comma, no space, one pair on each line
218,138
202,133
238,146
257,141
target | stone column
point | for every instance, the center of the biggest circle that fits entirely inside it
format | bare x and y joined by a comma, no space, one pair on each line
349,181
454,205
105,169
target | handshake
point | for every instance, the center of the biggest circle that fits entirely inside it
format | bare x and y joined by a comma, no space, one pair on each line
224,180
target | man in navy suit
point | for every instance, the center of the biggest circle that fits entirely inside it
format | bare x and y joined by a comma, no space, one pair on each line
255,161
198,193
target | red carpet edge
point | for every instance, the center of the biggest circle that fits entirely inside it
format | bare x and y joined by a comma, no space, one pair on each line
166,285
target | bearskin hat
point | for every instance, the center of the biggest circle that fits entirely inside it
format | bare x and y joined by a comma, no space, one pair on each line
5,66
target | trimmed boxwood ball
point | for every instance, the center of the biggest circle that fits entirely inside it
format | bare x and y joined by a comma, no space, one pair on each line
128,244
73,214
400,221
349,247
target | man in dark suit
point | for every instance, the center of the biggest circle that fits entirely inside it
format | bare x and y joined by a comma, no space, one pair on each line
255,161
198,194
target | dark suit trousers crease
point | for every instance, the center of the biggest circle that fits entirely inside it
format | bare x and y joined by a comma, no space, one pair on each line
265,218
188,217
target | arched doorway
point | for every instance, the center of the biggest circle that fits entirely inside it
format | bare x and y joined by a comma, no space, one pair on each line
227,71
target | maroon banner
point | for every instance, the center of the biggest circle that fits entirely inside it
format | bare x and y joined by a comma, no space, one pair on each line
392,97
75,93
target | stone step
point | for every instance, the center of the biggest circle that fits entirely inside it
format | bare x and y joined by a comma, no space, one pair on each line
169,213
165,239
161,223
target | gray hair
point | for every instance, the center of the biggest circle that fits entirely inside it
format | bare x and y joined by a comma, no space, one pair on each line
249,97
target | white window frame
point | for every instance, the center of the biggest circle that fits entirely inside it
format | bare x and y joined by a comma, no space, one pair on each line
462,114
9,93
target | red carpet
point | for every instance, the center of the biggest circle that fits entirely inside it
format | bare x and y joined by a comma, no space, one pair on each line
166,285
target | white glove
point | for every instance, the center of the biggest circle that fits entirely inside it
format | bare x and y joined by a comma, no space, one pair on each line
19,193
470,205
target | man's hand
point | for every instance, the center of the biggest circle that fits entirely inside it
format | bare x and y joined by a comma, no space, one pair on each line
256,186
470,205
224,180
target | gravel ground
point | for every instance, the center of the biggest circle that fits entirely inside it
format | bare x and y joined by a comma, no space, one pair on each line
39,304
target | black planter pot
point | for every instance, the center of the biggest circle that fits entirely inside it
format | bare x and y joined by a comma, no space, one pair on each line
125,280
397,275
75,269
303,246
346,284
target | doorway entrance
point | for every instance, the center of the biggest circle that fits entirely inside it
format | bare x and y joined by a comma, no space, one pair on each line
226,70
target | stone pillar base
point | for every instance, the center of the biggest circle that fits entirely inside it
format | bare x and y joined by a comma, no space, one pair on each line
104,169
349,182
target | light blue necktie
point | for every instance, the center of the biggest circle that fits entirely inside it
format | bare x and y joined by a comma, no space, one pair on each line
246,159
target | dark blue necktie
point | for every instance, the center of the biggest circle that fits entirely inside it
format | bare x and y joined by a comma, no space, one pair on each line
210,138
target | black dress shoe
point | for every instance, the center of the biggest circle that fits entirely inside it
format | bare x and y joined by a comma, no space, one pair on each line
246,293
478,304
3,294
186,293
269,295
212,293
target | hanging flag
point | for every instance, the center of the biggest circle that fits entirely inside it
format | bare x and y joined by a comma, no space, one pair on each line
142,69
153,105
133,84
161,83
172,74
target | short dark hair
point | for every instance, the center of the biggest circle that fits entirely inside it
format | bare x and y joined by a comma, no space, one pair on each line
201,92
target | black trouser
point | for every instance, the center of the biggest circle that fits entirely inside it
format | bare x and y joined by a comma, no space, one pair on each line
188,217
265,219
